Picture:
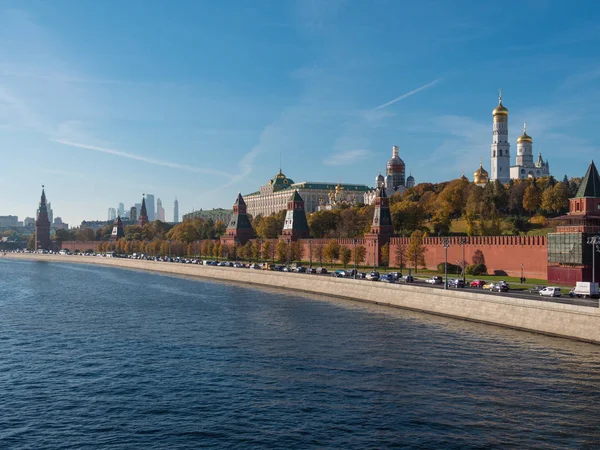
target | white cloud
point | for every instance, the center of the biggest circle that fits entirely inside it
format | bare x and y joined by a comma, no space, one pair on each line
408,94
155,162
347,157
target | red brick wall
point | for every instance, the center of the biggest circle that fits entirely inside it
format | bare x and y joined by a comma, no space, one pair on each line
505,253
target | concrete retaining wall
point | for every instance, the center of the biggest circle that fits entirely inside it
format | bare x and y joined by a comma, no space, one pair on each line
576,322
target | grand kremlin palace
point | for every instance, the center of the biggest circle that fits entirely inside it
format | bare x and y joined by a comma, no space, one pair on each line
273,197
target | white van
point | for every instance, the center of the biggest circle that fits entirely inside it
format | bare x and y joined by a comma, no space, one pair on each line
550,291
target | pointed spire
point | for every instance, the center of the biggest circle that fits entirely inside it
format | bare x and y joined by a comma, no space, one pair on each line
524,127
500,96
239,200
590,185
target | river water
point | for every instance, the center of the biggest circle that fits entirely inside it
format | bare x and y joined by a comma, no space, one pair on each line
94,357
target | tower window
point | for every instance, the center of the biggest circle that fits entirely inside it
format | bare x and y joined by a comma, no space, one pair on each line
499,152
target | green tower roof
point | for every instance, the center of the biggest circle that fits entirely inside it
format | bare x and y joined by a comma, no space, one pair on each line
590,186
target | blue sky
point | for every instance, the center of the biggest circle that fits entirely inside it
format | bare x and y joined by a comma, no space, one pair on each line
102,101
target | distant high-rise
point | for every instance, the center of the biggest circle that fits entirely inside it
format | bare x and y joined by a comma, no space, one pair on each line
151,207
138,208
160,211
112,213
176,211
50,212
133,213
121,210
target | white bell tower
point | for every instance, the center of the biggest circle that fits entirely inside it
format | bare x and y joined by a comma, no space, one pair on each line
500,145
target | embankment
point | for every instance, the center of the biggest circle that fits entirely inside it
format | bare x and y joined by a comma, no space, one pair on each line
570,321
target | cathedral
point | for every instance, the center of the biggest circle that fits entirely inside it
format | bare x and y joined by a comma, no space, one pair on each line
525,167
394,180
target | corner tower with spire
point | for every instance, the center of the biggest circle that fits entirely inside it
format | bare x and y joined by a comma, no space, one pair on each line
239,230
500,145
143,217
570,254
42,225
295,226
381,228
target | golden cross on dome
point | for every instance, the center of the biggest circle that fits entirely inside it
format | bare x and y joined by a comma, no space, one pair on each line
500,95
524,127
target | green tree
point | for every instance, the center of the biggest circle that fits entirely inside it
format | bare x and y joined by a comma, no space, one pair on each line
407,216
267,250
322,223
85,234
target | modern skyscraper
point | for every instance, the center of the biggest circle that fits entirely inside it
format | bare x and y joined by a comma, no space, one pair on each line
151,207
121,210
133,213
160,211
112,213
176,211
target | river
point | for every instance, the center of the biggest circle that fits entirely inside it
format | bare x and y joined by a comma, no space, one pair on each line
96,357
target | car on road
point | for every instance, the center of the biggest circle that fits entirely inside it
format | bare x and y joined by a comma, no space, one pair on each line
435,280
488,286
477,283
339,273
387,278
395,275
535,289
311,270
373,276
321,270
501,287
408,279
457,283
550,291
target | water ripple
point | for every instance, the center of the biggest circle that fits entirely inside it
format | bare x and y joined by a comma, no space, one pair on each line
96,357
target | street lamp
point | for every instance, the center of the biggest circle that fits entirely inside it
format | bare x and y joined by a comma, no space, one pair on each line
594,241
310,254
446,244
374,255
521,273
463,241
354,242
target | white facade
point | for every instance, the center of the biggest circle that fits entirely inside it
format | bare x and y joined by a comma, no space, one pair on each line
500,169
526,167
273,197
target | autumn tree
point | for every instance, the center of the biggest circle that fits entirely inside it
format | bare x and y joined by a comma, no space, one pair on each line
400,255
319,249
331,252
267,250
531,199
183,232
359,253
415,253
282,251
385,254
345,255
85,234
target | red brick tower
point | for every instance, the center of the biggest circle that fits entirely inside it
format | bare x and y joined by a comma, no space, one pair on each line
570,257
118,231
295,226
239,230
42,225
143,217
381,229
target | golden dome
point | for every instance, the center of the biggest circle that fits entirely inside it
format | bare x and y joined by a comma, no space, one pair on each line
339,187
500,110
480,176
524,137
